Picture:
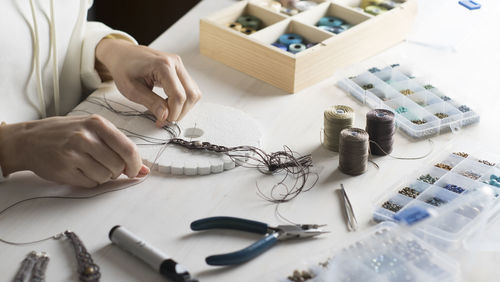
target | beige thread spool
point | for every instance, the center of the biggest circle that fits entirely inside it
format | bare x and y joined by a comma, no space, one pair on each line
354,151
235,26
336,118
247,30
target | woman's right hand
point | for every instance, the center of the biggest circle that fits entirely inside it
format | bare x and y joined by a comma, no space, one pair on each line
80,151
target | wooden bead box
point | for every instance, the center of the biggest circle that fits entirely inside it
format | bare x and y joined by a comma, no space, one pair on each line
254,55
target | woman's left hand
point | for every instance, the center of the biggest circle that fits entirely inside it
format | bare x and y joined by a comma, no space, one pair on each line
137,69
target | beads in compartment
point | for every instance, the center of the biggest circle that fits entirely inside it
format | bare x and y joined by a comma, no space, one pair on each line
246,24
333,24
391,206
292,43
409,192
427,178
377,7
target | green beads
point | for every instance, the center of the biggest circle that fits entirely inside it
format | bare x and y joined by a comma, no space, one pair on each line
401,110
427,178
367,86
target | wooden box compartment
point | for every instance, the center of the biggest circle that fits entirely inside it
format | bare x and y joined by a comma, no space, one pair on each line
254,55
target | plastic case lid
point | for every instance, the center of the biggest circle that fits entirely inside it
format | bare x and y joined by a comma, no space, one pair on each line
485,237
473,234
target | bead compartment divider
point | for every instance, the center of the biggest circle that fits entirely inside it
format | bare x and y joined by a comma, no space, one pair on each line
445,231
254,55
433,102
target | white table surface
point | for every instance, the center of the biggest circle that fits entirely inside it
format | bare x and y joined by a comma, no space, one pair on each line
161,208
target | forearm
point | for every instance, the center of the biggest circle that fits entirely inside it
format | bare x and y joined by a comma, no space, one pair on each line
11,148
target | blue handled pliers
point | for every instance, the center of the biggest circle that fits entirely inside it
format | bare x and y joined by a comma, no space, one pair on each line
273,234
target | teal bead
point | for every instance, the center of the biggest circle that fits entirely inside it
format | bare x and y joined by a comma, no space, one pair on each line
346,26
330,21
290,38
249,21
296,48
494,183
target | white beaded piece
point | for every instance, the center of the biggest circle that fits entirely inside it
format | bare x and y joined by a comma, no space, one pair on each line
217,124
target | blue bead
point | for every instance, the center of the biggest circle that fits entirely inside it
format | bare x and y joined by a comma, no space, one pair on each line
412,215
330,21
281,46
469,4
290,38
296,48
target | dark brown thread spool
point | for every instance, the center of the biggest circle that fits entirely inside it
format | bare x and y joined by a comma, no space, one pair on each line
353,151
381,128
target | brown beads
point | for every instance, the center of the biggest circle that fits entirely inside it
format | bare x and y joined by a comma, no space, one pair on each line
443,166
409,192
300,276
441,115
406,92
418,121
391,206
461,154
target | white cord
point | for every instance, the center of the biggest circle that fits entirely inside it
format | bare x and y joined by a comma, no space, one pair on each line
36,59
55,71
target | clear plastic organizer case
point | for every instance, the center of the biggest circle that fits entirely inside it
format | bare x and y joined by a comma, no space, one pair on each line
386,252
400,252
451,177
421,109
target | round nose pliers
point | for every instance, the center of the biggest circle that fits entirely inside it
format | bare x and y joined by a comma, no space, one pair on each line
272,235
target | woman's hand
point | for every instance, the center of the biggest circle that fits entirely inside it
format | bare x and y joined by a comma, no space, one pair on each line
80,151
137,69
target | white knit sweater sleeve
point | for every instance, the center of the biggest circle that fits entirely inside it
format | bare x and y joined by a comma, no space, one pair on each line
94,32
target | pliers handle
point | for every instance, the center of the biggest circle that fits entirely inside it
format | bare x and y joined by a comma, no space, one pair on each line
234,223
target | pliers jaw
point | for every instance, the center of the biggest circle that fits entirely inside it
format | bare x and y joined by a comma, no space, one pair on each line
298,231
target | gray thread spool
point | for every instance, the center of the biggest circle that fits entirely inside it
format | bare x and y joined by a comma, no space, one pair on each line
353,157
381,129
336,118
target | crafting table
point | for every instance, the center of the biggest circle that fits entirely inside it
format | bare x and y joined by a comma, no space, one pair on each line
160,209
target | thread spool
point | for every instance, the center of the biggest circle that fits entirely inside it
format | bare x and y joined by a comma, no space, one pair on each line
290,38
249,22
381,128
330,21
281,46
247,30
235,26
353,151
296,48
305,5
336,118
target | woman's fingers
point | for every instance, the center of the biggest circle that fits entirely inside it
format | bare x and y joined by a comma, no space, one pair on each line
193,93
173,87
108,158
120,144
92,169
